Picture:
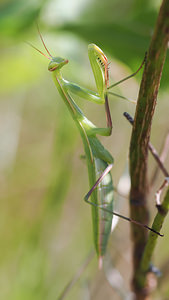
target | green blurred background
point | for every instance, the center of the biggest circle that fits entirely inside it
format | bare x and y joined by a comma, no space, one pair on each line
45,227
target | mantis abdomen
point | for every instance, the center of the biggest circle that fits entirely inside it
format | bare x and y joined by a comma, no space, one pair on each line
101,194
105,200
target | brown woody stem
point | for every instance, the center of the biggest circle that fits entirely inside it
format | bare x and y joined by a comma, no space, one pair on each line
139,143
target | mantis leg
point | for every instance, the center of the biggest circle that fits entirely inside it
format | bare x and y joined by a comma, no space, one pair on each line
106,171
93,97
122,97
108,115
83,93
128,77
102,131
124,79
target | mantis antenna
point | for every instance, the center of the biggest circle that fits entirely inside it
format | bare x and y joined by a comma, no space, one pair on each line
38,50
43,41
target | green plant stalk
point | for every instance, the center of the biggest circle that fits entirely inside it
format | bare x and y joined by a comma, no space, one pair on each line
152,239
140,139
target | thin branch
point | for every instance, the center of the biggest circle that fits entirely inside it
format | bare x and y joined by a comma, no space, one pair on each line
156,156
152,239
163,155
158,193
165,148
151,148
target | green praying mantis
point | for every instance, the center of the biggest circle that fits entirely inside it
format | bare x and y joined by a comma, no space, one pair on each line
99,160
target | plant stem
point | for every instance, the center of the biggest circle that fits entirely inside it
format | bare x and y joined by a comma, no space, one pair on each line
140,140
152,239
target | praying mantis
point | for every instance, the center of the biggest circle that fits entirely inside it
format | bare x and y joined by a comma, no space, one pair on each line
99,161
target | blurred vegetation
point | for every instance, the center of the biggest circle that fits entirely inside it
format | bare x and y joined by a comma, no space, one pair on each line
45,225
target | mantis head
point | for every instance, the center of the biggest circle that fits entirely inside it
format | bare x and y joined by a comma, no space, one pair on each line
57,63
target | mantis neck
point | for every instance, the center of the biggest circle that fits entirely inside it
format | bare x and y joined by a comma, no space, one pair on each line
58,74
82,122
61,86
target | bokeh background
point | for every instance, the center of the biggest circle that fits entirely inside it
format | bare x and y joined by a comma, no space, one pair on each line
45,226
